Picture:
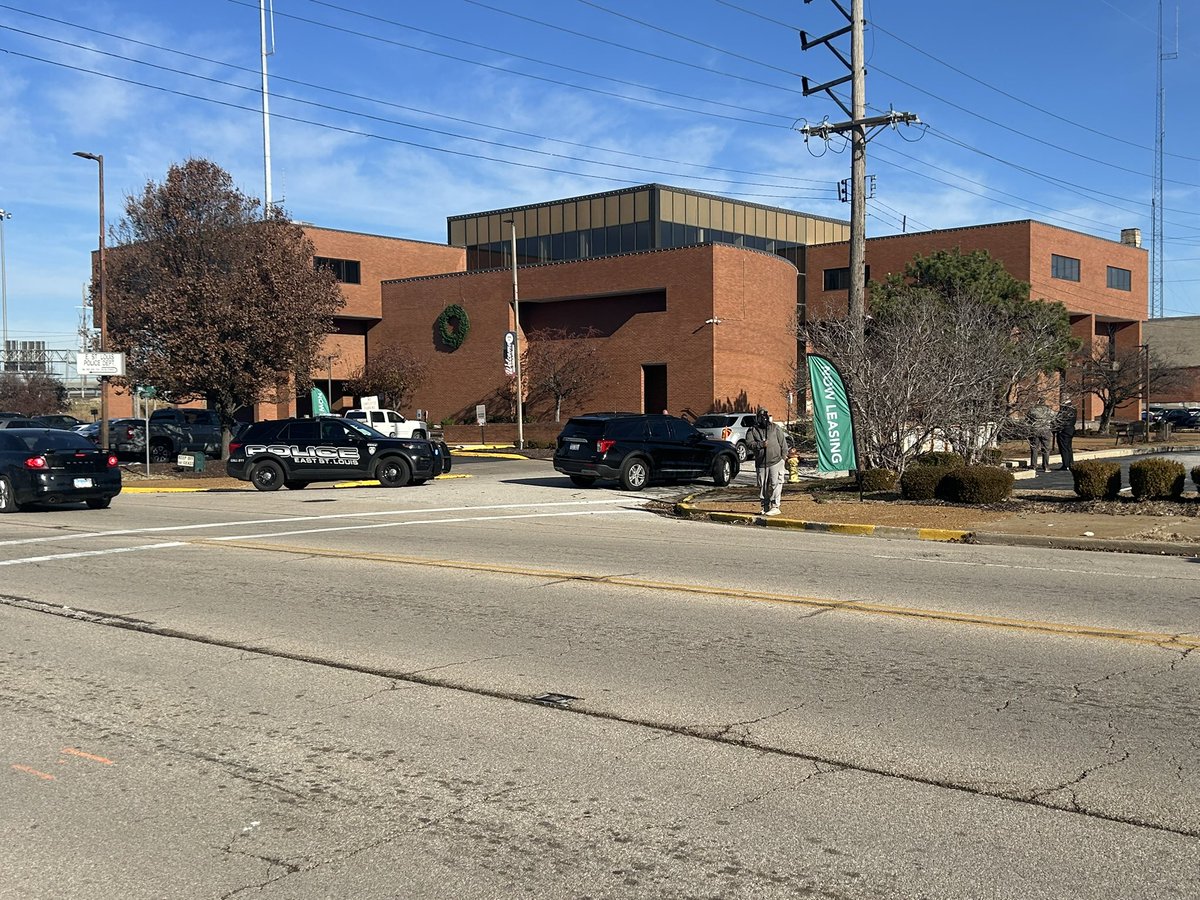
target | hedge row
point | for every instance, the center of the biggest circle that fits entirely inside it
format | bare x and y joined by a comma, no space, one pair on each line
956,483
1149,479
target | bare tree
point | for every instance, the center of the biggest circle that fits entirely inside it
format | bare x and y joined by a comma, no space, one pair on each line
210,299
942,362
393,374
34,393
559,365
1118,376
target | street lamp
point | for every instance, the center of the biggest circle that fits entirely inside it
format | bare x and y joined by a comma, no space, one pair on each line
4,293
99,158
516,304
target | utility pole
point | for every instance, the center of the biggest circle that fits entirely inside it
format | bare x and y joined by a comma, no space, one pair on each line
1156,202
860,130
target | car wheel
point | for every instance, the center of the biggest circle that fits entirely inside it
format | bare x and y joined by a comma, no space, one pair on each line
635,473
741,451
393,472
267,476
722,470
295,485
160,452
99,502
583,480
8,502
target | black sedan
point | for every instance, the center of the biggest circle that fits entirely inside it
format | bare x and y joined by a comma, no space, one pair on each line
48,466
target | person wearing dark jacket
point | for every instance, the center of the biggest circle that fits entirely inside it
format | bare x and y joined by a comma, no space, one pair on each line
1064,434
766,440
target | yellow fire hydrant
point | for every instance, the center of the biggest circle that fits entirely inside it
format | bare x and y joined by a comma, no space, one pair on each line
793,466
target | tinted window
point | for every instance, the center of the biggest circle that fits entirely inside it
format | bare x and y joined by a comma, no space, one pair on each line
356,414
682,430
55,440
333,430
585,428
714,421
1121,279
262,432
1066,267
10,442
658,429
303,432
626,429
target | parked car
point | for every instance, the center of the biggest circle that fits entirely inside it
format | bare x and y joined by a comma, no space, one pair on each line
389,422
20,422
293,453
12,415
203,426
52,466
636,449
731,427
66,423
1179,418
127,438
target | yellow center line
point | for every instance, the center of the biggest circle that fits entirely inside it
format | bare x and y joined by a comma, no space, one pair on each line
1159,639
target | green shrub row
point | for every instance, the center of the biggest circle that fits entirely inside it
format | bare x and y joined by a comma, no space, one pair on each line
956,483
1149,479
874,480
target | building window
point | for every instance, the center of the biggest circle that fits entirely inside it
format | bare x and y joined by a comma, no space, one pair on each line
347,271
1119,279
1064,267
839,279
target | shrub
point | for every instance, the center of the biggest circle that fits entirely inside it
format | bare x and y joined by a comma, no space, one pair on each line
1196,477
1097,480
940,459
920,482
1151,479
878,480
992,456
975,484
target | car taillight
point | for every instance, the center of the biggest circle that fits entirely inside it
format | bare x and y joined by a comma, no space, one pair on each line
234,447
604,445
36,462
112,460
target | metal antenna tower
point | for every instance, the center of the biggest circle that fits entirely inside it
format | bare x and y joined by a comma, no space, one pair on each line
1156,203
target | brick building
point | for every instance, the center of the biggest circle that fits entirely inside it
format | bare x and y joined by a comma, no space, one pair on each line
1102,283
1177,342
691,297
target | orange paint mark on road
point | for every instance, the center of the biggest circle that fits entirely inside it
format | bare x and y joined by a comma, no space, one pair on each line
31,771
91,756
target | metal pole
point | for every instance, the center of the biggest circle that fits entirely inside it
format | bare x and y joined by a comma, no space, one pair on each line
329,382
1146,376
516,303
99,158
4,293
262,27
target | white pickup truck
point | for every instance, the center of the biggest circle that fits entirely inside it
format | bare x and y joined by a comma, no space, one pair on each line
390,422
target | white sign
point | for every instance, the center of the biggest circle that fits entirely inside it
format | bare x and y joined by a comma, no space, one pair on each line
370,403
510,353
100,363
480,415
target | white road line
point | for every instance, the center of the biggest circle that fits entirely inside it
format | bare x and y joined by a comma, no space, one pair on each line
58,556
270,534
582,512
332,516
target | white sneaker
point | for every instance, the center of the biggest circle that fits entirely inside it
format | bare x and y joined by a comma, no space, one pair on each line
773,511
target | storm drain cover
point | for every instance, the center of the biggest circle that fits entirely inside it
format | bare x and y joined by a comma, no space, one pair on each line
555,699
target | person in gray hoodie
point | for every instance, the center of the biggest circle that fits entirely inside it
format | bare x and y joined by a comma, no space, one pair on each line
1040,420
768,443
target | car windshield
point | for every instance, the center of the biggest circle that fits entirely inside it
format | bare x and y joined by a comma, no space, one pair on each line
364,430
714,421
41,441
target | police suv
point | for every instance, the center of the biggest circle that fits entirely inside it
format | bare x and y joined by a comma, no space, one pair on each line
296,452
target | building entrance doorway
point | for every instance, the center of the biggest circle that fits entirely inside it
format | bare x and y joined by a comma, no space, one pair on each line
654,388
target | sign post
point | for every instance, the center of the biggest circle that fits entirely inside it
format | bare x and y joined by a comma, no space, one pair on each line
510,353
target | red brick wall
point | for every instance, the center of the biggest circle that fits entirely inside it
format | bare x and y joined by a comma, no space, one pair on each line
1023,247
753,294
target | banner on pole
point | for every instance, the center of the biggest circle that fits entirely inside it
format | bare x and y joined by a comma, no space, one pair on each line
319,404
510,353
832,427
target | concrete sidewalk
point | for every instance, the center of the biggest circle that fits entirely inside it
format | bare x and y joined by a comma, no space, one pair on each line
1030,522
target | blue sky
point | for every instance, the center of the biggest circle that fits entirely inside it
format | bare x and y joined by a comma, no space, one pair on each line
387,117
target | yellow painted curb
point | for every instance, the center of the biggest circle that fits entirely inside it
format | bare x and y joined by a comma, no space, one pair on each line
474,455
685,508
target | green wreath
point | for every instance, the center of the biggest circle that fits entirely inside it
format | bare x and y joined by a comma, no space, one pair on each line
453,326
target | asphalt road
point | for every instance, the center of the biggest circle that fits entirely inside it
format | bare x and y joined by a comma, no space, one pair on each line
502,685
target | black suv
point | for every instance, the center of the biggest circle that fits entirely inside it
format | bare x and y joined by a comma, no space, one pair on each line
636,449
203,426
295,452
